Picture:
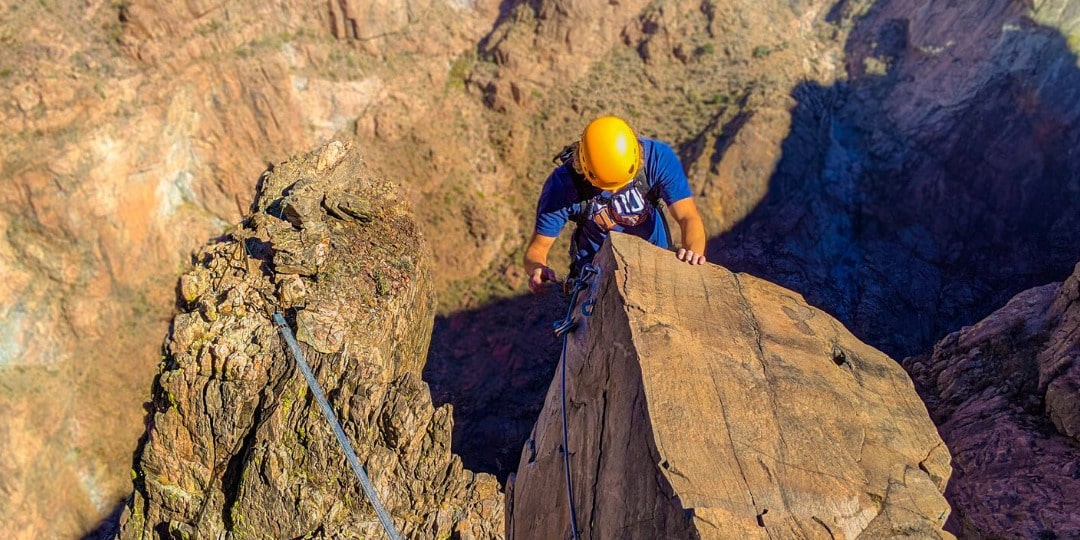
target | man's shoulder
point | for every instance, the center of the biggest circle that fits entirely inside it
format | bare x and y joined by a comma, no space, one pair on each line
659,157
663,168
655,146
562,177
559,186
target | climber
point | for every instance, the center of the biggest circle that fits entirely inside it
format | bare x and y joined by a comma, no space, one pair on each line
611,180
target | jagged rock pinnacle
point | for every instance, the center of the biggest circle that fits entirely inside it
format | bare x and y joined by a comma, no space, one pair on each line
235,443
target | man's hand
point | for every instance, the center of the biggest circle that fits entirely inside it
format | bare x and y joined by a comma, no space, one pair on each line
541,279
540,276
693,231
689,257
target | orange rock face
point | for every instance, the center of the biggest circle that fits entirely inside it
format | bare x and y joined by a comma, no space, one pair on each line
709,404
132,134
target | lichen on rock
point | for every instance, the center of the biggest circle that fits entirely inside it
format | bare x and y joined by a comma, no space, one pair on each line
235,442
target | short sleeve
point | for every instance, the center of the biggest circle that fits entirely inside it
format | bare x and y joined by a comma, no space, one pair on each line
553,208
666,170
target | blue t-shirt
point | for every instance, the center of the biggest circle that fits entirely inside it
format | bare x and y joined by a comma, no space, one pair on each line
663,171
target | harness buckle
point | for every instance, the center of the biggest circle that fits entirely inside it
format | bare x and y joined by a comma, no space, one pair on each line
602,217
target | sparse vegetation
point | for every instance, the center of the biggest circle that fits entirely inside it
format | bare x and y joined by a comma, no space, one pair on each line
459,70
211,27
405,263
342,62
875,66
382,283
720,99
114,31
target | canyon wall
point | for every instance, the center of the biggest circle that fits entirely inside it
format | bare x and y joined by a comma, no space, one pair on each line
937,180
133,133
905,165
1004,393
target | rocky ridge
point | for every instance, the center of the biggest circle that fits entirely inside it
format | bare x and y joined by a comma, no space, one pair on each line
1005,394
707,404
135,130
235,443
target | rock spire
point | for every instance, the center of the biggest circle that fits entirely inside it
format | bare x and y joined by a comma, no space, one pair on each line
708,404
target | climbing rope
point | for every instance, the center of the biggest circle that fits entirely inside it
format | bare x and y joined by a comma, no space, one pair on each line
562,330
350,454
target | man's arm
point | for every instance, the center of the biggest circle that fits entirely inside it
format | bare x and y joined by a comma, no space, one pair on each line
686,215
536,262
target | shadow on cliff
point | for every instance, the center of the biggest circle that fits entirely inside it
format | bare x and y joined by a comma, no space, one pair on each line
904,217
494,365
108,527
907,208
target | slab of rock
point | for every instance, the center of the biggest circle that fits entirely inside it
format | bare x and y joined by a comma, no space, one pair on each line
235,443
1005,394
709,404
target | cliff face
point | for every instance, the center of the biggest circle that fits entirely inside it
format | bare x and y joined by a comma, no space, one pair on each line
937,180
709,404
907,166
1005,394
235,442
713,79
131,133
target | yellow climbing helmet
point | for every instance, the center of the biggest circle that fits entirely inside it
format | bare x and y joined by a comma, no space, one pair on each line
609,153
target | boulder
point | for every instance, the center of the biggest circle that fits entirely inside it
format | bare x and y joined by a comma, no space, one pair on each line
704,403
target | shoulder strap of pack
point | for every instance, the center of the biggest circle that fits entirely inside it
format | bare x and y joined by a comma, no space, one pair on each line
565,154
652,197
579,210
651,192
